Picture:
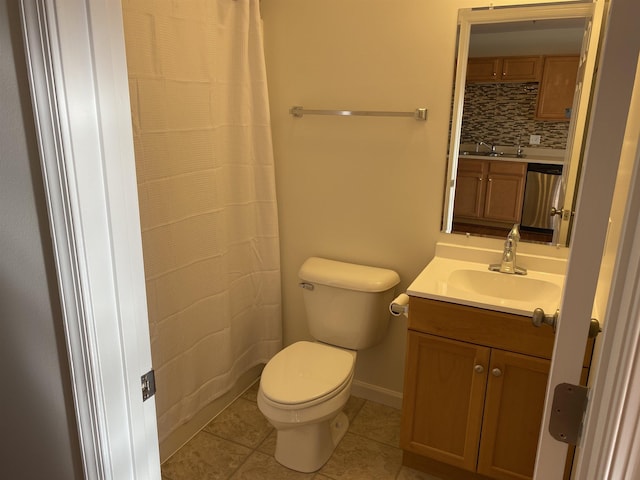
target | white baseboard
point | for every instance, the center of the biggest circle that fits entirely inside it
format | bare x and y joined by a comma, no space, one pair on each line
377,394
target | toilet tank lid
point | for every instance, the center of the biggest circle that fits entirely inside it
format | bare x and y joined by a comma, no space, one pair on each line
347,275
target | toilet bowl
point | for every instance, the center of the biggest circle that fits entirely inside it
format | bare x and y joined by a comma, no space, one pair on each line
304,387
302,392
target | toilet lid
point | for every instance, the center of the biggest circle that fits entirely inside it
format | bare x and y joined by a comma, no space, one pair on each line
305,371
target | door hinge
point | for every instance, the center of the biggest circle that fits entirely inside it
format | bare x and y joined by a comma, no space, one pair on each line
148,385
567,412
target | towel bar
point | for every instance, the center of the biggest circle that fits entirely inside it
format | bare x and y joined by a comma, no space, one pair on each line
418,114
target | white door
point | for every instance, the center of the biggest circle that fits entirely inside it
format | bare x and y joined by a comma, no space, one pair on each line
614,85
78,80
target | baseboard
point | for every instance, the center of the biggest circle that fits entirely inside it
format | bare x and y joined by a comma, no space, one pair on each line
377,394
186,432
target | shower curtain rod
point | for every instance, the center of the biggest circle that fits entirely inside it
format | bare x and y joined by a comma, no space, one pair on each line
418,114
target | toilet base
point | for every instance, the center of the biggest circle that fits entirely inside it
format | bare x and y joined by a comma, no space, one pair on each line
308,447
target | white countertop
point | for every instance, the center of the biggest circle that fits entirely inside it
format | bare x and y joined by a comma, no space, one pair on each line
546,156
460,275
547,160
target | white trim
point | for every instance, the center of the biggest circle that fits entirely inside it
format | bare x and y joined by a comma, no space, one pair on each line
377,394
604,140
77,71
45,98
611,449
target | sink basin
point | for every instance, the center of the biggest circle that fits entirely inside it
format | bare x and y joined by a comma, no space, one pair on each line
503,286
461,275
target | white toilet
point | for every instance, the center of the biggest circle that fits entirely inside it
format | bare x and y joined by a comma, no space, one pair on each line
304,387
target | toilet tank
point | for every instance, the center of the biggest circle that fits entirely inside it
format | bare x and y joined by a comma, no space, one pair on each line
347,305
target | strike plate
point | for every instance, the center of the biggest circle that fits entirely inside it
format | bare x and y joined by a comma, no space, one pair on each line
569,404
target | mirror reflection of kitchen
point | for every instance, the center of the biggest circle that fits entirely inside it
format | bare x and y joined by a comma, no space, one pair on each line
518,125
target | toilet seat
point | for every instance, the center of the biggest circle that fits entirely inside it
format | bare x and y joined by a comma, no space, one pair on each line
305,373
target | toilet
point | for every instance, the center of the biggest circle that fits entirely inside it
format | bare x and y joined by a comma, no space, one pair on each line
304,387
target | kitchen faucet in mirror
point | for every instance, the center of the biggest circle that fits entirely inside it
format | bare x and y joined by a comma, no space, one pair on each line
522,87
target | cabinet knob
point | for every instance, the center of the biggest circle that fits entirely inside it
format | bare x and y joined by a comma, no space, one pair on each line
479,179
478,368
496,372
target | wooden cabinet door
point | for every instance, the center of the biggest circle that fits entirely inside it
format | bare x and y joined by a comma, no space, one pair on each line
505,191
504,69
521,69
483,69
512,415
445,383
470,188
557,88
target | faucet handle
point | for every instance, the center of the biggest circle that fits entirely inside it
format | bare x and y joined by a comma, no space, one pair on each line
514,233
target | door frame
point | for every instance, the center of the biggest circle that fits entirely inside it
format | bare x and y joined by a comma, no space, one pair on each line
612,423
78,80
604,141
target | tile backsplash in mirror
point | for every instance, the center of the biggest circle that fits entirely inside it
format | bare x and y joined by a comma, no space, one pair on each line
504,113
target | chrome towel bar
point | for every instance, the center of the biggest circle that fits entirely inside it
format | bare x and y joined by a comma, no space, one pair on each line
418,114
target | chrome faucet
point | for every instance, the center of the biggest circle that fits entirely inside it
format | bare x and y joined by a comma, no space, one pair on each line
492,148
508,263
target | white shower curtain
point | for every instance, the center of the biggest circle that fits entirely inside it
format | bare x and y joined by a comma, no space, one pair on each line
207,196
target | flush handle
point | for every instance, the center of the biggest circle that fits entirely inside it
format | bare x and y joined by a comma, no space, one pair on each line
306,286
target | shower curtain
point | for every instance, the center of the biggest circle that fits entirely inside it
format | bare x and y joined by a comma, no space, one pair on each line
207,196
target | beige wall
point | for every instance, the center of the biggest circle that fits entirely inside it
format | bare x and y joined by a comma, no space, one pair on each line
366,190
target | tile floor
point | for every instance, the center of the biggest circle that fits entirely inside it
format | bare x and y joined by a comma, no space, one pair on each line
239,445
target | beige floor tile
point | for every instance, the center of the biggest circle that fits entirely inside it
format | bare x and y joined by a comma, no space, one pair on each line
251,393
353,406
407,473
264,467
357,458
239,444
205,457
242,423
378,422
268,446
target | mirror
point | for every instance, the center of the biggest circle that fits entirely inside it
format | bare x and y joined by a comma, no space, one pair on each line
523,78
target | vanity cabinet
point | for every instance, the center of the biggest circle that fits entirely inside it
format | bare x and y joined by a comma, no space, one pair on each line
490,190
504,69
557,87
474,391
